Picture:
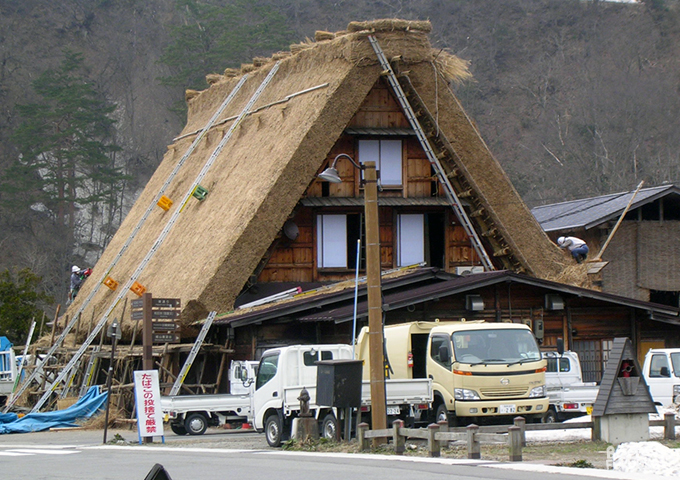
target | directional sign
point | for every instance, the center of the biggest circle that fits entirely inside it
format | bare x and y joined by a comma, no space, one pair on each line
164,326
166,302
137,303
165,314
137,314
165,338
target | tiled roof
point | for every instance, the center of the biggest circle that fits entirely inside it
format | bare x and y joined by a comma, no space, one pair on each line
590,212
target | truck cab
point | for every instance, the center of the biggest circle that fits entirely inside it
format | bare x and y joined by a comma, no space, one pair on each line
242,375
662,374
282,374
569,395
479,370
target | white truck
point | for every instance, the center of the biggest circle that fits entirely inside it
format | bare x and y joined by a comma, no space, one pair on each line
193,414
662,374
569,395
285,371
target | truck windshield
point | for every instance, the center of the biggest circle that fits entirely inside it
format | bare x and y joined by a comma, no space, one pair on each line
267,369
495,346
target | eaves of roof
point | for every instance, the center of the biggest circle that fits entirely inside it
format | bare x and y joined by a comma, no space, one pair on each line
323,297
459,285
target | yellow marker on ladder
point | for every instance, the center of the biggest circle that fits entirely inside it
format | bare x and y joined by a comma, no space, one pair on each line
111,283
138,289
165,203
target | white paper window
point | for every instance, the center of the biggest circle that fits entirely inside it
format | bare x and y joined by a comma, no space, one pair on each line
410,239
387,157
331,239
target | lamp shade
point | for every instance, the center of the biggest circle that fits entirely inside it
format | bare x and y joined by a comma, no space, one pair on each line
330,175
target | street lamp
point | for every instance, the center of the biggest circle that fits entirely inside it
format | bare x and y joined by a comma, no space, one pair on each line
375,332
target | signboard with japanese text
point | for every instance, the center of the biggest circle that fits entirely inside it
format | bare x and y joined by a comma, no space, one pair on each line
148,404
166,303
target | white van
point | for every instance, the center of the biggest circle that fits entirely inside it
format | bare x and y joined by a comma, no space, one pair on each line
662,374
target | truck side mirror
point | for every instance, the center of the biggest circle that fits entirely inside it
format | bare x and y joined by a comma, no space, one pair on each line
444,356
664,372
560,346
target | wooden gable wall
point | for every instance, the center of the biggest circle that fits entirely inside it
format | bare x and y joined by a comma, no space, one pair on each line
295,261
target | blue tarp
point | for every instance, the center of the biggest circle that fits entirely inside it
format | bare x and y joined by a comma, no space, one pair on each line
87,406
5,344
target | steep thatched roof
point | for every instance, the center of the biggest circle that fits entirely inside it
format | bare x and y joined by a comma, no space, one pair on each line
273,156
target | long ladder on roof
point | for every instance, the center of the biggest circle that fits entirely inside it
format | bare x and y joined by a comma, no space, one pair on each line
448,188
192,354
159,240
130,238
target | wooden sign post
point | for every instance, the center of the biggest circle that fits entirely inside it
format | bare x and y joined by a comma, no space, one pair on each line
158,323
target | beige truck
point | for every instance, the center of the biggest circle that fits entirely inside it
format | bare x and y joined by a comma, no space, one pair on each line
479,371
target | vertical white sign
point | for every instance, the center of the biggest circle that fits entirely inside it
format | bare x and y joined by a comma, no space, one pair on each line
148,403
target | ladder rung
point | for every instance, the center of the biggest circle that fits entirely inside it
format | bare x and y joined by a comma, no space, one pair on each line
453,173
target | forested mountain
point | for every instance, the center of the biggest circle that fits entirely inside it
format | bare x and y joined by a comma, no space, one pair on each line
574,98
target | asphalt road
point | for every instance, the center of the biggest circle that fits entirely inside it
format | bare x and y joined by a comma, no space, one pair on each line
80,454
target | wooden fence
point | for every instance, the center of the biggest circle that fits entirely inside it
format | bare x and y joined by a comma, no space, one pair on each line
439,434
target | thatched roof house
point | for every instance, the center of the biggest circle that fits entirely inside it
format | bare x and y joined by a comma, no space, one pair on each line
273,156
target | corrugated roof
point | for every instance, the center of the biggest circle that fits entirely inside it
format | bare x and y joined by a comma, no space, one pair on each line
328,307
590,212
382,202
325,296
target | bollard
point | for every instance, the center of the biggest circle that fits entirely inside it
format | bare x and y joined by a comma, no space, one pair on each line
473,446
515,444
398,441
362,428
669,426
522,424
432,444
443,427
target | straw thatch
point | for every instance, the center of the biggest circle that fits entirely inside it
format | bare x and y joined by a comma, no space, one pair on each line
272,157
213,78
321,36
189,94
390,25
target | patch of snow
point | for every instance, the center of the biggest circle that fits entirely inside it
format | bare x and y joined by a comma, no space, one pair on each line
647,458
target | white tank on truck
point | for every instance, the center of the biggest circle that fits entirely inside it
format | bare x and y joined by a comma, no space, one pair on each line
478,370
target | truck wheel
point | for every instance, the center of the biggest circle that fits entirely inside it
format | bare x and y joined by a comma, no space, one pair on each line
329,427
178,429
442,414
196,424
549,417
273,430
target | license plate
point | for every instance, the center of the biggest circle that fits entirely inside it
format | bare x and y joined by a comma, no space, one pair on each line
505,409
393,410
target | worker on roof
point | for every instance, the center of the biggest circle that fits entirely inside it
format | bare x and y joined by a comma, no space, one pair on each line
78,276
577,247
